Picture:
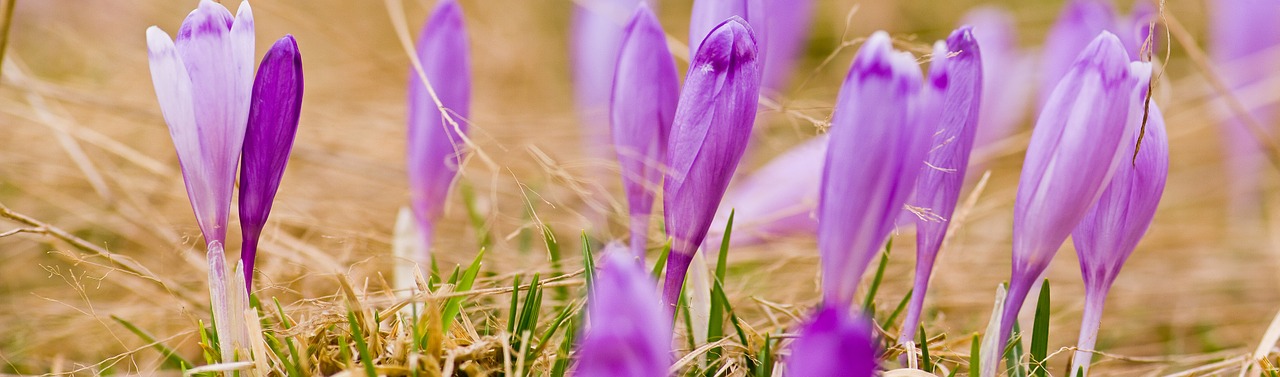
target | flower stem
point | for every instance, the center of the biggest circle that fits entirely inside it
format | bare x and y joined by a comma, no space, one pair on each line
1094,299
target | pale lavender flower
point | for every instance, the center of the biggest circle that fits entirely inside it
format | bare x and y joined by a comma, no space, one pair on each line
1243,36
708,14
628,334
1078,143
597,31
834,344
273,122
713,122
435,143
786,28
880,132
645,90
775,201
1079,23
1112,228
957,63
1006,95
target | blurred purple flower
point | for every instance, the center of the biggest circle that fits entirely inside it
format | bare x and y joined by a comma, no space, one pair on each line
1078,143
957,63
834,344
880,132
643,106
628,334
1080,21
713,122
786,28
1005,96
776,200
709,14
273,122
436,144
203,81
1112,228
1243,37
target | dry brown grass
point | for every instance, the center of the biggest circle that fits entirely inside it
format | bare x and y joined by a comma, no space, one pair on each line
83,148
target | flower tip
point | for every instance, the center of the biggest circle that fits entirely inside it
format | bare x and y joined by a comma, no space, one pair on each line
878,58
158,41
962,39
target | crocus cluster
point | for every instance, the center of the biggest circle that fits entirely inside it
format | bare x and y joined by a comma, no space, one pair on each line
713,121
439,103
216,111
1080,140
627,334
884,120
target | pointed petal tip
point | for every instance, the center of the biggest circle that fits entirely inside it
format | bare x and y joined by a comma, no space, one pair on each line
158,41
878,58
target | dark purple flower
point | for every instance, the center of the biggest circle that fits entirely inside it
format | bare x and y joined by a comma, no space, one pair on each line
273,122
713,122
880,132
436,143
1078,143
628,334
957,63
645,91
834,344
1110,231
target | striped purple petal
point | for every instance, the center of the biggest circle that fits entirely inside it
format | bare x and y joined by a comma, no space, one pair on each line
713,121
628,334
203,81
834,344
879,135
1078,144
957,63
273,122
1110,231
436,144
645,91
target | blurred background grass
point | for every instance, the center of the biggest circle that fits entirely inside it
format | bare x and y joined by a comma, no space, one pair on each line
83,147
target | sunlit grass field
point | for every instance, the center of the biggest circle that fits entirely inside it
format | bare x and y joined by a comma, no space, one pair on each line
103,272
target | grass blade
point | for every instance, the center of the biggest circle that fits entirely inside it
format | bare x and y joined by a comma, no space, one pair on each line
588,262
171,358
875,283
362,346
715,322
926,362
1040,333
975,356
454,305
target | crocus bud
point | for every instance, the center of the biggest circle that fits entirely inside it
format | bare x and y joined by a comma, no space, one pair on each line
777,200
957,63
1110,231
597,31
1243,36
1078,143
786,25
273,122
628,334
834,344
1081,20
708,14
1006,95
713,122
645,91
880,132
436,142
203,81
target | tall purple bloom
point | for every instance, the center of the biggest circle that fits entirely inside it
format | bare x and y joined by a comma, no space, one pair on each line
786,28
1243,34
436,143
273,122
1078,144
957,63
776,200
1110,231
645,91
834,344
879,135
598,29
628,334
709,14
1005,96
713,122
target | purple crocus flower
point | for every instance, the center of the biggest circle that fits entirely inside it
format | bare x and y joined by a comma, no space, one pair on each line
786,28
835,344
643,106
436,143
776,200
628,334
1080,21
1078,144
1112,228
203,81
598,29
273,122
1243,34
879,135
709,14
1005,96
958,63
708,137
